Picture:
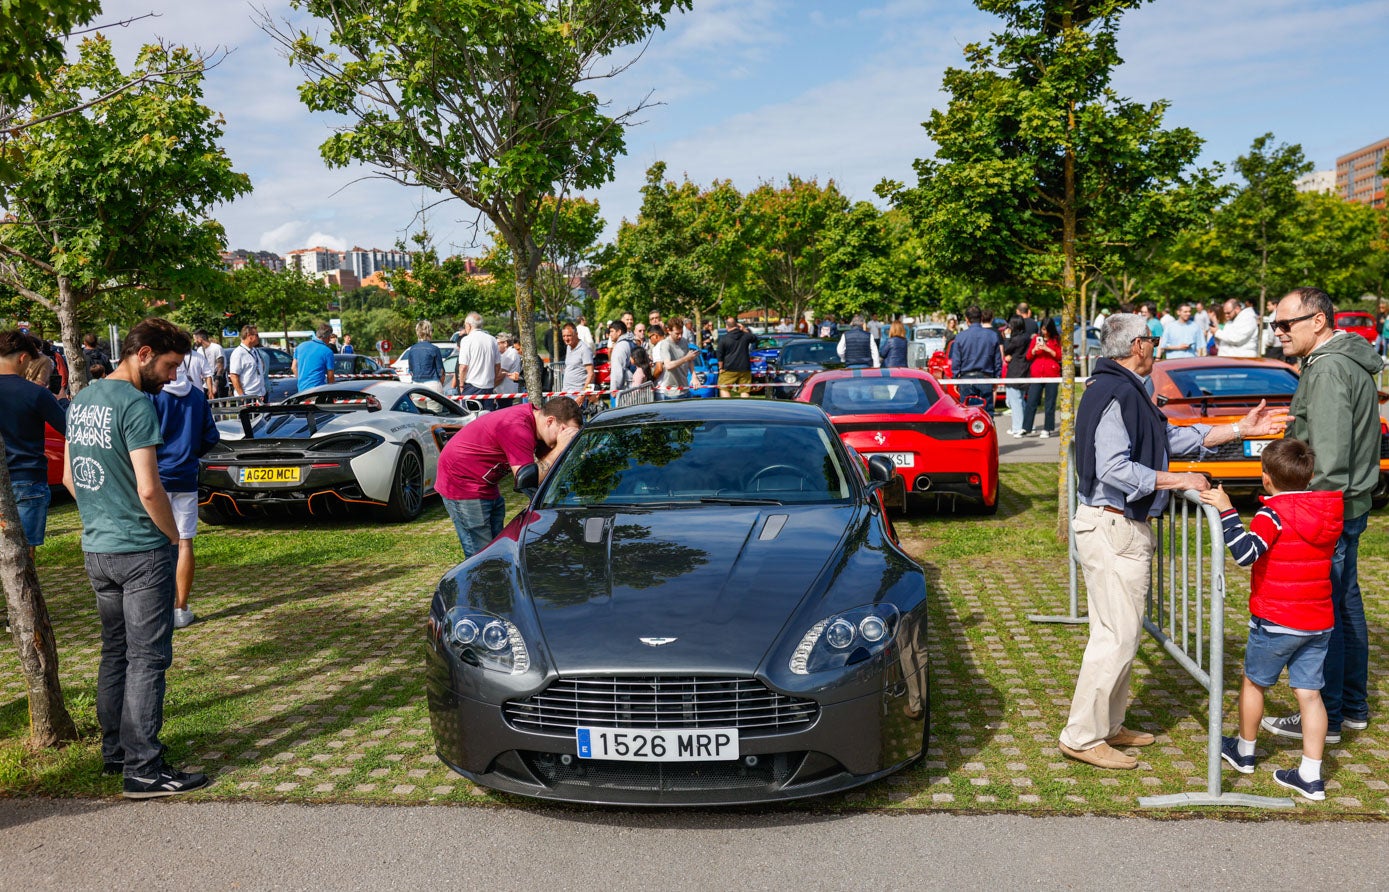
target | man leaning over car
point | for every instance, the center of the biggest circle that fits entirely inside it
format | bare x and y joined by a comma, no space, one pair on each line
1122,446
482,453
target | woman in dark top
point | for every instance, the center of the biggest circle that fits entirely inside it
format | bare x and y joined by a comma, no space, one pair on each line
1017,363
895,350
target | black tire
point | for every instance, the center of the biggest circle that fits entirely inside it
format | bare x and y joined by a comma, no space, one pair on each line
407,488
986,509
1380,496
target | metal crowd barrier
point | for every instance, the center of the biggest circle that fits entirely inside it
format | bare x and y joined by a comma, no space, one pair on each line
635,396
1185,613
227,406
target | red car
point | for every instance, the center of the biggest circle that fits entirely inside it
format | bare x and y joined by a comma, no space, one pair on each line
936,444
1362,324
53,444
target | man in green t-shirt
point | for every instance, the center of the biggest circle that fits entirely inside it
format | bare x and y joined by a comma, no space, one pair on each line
130,546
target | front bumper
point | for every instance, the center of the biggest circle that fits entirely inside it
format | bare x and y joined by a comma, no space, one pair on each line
852,742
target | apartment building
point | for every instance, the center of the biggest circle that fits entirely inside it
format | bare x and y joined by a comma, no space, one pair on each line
1358,174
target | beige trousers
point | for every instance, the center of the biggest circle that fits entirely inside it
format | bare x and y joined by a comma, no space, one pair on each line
1116,556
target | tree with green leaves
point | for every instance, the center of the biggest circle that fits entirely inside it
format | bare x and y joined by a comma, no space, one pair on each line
78,233
1040,164
31,48
490,103
448,289
789,233
1258,220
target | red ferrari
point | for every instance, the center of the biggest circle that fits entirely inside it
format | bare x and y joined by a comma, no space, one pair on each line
937,445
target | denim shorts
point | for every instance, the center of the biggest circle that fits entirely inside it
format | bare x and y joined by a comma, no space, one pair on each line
32,498
1268,652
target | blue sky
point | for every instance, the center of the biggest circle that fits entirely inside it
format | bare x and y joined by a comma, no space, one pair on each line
752,90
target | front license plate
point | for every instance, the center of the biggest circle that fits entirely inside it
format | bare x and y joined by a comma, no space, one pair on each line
1255,448
635,745
270,475
900,459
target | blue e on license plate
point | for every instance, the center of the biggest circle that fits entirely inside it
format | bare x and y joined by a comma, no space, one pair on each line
637,745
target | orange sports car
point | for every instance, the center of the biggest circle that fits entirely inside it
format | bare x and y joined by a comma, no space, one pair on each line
1221,390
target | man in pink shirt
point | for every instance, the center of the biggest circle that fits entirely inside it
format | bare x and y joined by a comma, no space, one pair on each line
483,453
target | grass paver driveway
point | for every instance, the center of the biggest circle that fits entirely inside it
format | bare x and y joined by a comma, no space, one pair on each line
301,679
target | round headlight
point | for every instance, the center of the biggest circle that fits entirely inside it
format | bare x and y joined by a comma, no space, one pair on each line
465,631
495,636
840,634
872,629
790,378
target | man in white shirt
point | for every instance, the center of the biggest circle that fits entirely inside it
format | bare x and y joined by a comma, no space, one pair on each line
583,333
1240,336
216,363
246,368
479,360
669,360
510,380
197,371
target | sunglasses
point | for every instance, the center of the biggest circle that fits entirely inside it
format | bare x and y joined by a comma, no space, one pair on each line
1286,325
1149,338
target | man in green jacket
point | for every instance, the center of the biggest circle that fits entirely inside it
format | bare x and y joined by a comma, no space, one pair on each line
1336,410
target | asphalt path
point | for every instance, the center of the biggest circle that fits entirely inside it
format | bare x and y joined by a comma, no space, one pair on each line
49,844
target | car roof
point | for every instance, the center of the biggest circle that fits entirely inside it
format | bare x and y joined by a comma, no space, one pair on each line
714,410
1218,362
839,374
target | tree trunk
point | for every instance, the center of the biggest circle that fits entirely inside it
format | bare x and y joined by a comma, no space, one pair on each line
49,721
68,299
1069,312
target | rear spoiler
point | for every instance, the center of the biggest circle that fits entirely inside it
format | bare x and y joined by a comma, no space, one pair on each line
1222,399
311,408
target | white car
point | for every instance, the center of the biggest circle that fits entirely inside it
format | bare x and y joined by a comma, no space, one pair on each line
402,368
331,448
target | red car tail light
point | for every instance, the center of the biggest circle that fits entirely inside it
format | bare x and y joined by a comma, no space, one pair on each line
978,427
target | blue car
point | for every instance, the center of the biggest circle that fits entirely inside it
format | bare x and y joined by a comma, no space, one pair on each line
767,349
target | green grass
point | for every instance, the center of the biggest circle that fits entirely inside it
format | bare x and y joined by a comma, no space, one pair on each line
302,679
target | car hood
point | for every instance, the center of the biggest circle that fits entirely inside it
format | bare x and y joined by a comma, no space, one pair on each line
720,581
296,427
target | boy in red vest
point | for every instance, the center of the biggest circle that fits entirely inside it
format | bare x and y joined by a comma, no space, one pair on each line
1290,542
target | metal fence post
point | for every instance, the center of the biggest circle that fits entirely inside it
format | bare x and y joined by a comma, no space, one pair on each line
1171,615
1072,499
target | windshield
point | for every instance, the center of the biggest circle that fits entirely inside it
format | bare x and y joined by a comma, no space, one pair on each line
873,396
809,351
1355,321
1229,381
693,461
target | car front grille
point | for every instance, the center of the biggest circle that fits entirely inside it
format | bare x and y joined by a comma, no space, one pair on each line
657,701
768,773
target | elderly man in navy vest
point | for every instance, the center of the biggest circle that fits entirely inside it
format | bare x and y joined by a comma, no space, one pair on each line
857,349
1122,445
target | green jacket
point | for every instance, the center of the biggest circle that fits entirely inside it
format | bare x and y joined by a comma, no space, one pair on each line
1336,411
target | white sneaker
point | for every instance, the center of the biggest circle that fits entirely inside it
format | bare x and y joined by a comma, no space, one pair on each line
1044,435
183,618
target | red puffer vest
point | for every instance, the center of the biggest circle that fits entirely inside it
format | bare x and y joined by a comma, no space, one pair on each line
1291,584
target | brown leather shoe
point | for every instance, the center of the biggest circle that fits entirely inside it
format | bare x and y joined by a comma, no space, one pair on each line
1101,756
1125,737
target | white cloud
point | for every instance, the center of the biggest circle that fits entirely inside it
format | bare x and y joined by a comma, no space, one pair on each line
323,240
282,238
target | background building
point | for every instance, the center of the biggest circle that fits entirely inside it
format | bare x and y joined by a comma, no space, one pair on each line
1317,181
1357,174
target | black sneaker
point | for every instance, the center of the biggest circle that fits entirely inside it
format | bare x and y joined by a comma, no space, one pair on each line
1292,779
1355,724
166,781
1229,751
1291,726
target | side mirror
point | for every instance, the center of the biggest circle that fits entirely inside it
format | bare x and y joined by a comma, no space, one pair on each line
528,480
881,469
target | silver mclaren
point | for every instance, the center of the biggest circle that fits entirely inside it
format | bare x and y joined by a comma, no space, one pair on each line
356,444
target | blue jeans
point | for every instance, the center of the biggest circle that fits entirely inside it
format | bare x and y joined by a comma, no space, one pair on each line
477,521
1034,399
1017,400
135,599
32,498
981,395
1348,654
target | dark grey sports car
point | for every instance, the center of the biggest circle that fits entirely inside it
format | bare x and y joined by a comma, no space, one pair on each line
703,604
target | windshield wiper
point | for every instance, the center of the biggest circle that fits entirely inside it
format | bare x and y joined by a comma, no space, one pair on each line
730,500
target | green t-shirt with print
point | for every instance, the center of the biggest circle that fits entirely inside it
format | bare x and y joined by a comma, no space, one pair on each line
107,421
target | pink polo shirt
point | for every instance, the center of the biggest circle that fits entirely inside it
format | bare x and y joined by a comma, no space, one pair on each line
482,453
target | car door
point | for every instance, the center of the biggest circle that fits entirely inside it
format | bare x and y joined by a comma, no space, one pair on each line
444,418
